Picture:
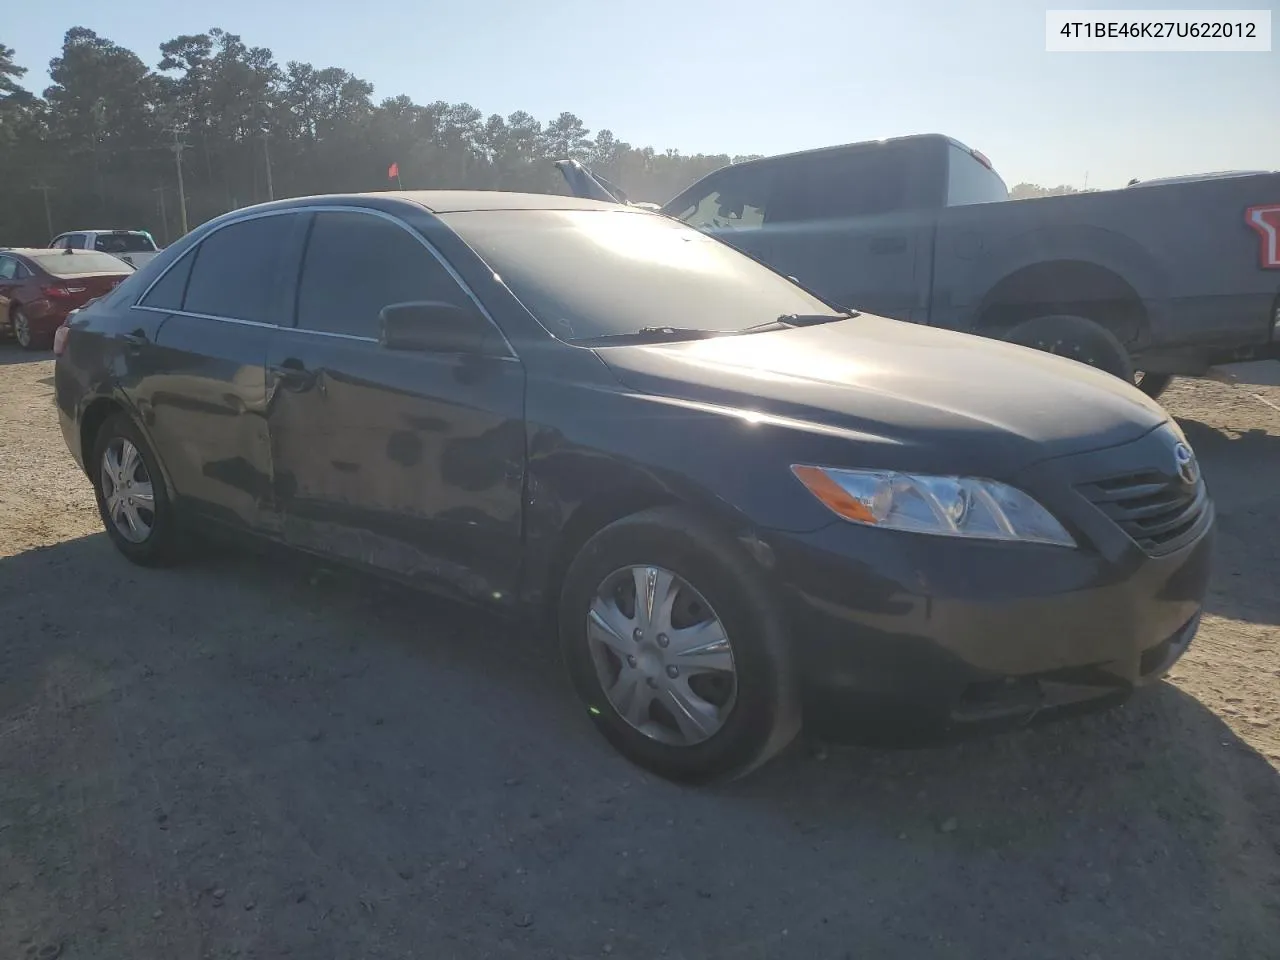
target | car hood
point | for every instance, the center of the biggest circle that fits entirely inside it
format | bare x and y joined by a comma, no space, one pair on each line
911,397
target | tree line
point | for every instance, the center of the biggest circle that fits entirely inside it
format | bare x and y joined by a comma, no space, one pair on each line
103,144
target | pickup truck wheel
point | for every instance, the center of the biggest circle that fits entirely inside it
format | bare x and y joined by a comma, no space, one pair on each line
1076,338
677,648
1152,384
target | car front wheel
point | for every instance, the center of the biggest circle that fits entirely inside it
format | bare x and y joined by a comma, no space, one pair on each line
676,648
131,494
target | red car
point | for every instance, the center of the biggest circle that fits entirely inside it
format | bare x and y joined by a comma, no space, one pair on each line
39,287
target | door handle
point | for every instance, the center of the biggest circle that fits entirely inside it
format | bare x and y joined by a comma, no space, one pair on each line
293,374
888,244
135,341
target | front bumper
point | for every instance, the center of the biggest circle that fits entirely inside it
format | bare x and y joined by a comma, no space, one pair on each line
902,634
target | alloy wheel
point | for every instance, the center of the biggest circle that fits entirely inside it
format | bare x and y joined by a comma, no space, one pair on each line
662,655
127,491
21,328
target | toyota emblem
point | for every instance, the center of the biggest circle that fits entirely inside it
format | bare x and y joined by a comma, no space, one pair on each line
1185,460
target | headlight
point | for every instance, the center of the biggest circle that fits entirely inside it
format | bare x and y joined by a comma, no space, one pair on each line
946,506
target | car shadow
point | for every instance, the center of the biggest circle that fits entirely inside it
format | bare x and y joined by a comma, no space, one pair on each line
339,760
12,354
1242,471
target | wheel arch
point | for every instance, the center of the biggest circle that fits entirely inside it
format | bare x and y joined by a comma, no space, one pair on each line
95,414
1065,286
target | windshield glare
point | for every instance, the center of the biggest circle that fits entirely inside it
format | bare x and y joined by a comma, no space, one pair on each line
588,273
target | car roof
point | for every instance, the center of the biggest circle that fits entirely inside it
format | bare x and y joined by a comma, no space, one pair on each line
46,251
443,201
67,233
856,145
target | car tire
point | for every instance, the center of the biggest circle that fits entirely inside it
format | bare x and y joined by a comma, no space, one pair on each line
691,719
1076,338
1152,384
132,500
21,328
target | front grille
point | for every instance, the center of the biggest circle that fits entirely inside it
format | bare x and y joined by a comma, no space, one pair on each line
1159,513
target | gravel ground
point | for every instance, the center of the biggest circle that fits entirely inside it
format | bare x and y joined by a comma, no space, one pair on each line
251,756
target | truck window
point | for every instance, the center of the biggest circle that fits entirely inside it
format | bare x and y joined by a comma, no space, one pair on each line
734,199
841,185
123,243
971,181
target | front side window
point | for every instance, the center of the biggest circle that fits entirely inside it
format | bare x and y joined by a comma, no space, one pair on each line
237,270
595,273
737,199
357,263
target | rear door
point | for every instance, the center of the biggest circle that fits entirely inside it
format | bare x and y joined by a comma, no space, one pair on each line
201,385
855,227
413,462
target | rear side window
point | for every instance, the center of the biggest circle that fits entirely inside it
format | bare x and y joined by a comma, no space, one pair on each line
237,269
123,243
841,186
75,241
8,268
971,181
356,264
170,289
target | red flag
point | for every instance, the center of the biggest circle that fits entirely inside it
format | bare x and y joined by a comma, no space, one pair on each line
393,171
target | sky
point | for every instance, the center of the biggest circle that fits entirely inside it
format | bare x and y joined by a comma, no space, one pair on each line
759,76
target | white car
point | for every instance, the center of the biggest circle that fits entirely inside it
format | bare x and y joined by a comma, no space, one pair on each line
134,247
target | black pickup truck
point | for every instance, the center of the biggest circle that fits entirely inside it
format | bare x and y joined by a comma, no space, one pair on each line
1152,280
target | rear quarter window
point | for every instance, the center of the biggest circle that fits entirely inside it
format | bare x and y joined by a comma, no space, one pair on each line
971,181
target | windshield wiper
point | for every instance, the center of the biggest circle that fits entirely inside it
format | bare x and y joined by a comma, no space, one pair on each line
664,334
798,320
653,335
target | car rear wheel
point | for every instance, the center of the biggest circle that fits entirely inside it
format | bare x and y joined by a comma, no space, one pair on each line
22,330
677,649
132,500
1076,338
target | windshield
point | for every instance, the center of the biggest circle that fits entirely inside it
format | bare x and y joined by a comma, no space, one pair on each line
124,243
74,264
588,273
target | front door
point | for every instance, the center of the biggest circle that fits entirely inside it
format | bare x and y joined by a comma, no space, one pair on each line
412,462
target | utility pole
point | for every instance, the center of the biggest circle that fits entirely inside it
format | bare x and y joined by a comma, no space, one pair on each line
266,152
178,147
164,217
48,216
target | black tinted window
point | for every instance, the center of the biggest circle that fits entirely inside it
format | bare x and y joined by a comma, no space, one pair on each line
168,292
355,264
839,186
237,270
123,243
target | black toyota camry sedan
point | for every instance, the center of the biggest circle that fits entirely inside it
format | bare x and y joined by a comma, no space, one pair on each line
743,507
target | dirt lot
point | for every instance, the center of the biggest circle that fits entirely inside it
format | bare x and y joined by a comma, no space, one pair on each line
251,757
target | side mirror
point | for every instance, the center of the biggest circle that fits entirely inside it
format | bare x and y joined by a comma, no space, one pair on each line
429,326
